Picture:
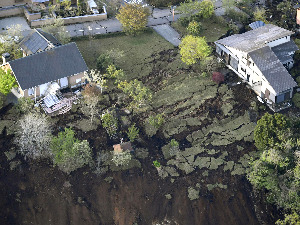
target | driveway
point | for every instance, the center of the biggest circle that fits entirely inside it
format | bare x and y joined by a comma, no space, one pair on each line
167,32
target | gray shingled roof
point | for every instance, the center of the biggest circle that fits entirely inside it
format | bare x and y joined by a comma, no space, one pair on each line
282,51
272,69
43,67
255,39
37,41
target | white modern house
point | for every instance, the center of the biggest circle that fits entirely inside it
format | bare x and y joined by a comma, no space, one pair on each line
262,58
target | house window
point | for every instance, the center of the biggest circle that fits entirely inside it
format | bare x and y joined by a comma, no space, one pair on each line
78,80
30,91
242,69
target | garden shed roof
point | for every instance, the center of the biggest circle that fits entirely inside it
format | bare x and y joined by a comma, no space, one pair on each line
272,69
47,66
255,39
38,40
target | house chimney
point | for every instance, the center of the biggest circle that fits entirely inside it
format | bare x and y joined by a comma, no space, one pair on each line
5,57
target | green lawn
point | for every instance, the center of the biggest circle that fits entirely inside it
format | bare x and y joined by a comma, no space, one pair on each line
138,51
212,29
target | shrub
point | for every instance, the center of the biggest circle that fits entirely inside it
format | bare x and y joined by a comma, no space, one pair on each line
218,77
122,158
184,21
296,100
33,136
103,61
25,105
132,133
194,28
110,123
156,121
70,153
137,92
156,164
260,14
237,16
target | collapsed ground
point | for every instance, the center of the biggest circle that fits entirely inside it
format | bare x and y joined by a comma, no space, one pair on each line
213,124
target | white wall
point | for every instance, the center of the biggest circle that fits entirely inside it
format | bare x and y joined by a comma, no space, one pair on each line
278,41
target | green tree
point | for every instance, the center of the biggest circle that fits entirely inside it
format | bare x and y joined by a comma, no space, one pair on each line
7,81
206,9
122,158
194,28
260,14
138,93
193,49
133,17
271,129
113,73
70,153
132,133
277,165
110,123
156,121
91,96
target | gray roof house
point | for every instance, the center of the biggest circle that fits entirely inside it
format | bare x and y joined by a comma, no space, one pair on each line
262,57
38,41
62,65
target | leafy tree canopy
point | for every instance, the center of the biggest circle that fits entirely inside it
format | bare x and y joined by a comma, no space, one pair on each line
270,129
7,81
193,49
133,17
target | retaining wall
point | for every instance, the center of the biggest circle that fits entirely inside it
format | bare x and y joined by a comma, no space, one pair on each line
11,11
71,20
32,16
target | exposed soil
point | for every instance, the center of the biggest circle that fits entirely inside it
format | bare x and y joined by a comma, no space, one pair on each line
38,193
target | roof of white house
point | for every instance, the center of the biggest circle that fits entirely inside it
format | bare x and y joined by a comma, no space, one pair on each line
47,66
272,69
255,39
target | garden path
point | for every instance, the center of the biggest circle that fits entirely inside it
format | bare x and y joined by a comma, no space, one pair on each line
167,32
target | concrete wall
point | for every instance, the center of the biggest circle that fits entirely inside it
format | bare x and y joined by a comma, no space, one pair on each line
11,11
7,3
32,16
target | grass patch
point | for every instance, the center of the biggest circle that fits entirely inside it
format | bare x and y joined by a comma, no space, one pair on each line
211,29
137,50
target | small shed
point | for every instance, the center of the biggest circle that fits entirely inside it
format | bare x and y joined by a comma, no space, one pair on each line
119,148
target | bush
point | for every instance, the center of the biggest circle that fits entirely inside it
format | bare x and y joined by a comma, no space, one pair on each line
184,21
218,77
103,61
156,164
132,133
25,105
122,158
194,28
296,100
237,16
70,153
156,121
110,123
